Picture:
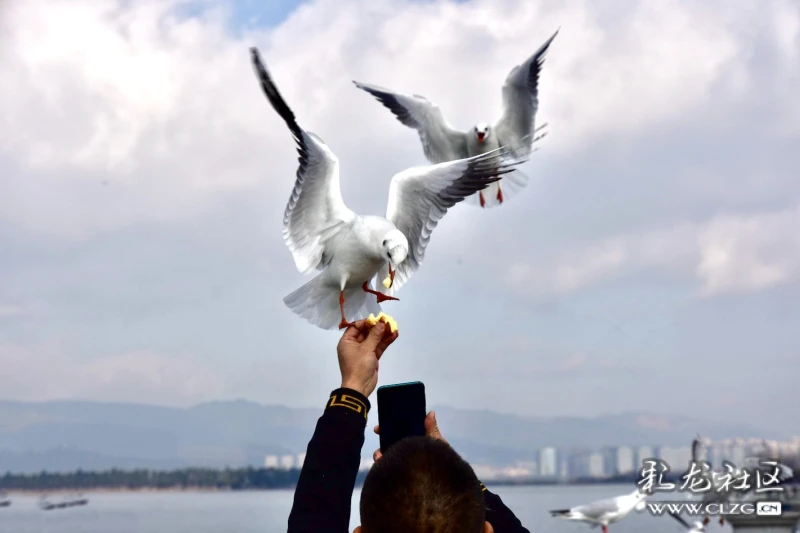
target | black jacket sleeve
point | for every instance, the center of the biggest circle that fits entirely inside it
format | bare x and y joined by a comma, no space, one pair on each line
500,516
325,488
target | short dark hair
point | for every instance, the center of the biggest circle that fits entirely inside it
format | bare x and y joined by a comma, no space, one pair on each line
422,485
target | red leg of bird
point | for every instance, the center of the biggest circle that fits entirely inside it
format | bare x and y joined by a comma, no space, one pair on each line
499,193
706,520
605,529
482,199
381,297
344,323
721,521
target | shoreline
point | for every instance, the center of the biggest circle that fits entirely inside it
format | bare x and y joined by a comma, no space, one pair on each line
200,489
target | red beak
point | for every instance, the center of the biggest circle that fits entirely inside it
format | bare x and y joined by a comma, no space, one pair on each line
481,135
391,275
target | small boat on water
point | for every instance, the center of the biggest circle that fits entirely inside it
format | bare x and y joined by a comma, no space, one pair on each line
71,500
4,500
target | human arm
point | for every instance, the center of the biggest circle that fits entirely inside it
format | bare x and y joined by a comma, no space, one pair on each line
325,488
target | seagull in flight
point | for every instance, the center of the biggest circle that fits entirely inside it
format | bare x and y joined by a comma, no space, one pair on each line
441,142
350,249
604,512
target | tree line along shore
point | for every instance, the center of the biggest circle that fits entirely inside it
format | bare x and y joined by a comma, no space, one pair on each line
203,479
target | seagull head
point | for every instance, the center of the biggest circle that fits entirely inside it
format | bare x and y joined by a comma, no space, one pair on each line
395,250
482,131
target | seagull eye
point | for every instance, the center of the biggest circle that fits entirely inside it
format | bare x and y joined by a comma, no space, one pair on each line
385,241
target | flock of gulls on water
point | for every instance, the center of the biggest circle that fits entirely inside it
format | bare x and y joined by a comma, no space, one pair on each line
351,249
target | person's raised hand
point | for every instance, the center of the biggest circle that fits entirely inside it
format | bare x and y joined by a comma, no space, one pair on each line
359,350
431,430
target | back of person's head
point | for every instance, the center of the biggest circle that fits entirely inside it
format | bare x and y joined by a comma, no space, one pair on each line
421,485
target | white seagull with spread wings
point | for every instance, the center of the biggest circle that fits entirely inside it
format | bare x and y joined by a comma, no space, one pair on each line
441,142
350,249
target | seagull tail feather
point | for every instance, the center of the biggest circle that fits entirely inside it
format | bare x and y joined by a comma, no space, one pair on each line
318,303
497,193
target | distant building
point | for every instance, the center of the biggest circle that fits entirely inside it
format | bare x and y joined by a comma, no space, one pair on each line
716,454
596,465
625,461
721,453
301,459
618,460
563,466
684,454
677,457
610,465
578,464
287,462
738,454
271,461
643,453
548,462
366,463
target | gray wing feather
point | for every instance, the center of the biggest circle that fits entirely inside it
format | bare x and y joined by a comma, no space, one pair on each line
440,141
521,101
316,211
419,197
598,508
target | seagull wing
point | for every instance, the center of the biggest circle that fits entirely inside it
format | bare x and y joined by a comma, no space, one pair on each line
420,196
440,141
598,509
521,101
316,211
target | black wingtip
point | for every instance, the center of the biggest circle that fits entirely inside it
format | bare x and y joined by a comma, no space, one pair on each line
271,92
543,49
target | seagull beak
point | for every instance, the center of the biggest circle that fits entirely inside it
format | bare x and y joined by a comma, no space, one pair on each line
481,135
391,276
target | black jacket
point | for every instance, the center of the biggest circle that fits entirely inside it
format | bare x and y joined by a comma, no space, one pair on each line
324,491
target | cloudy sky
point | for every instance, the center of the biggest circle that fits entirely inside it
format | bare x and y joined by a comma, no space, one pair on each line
653,263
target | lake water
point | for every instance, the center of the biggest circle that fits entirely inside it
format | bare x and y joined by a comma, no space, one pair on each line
268,511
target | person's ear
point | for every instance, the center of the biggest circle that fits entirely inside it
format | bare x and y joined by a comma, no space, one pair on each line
358,529
487,528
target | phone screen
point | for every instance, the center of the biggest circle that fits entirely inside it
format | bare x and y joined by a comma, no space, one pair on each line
401,412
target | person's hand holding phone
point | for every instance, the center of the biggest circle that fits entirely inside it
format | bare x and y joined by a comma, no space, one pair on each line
431,430
359,350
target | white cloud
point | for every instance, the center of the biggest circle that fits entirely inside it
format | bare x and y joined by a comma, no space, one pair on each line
749,253
729,253
167,108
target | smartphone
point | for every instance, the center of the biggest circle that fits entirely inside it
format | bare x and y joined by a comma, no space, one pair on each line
401,412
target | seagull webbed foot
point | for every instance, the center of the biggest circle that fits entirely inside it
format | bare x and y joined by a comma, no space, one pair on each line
379,295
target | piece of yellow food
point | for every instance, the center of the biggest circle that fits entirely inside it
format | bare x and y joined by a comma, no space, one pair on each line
387,282
382,317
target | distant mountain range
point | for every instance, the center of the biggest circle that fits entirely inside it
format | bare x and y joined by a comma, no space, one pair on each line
68,435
